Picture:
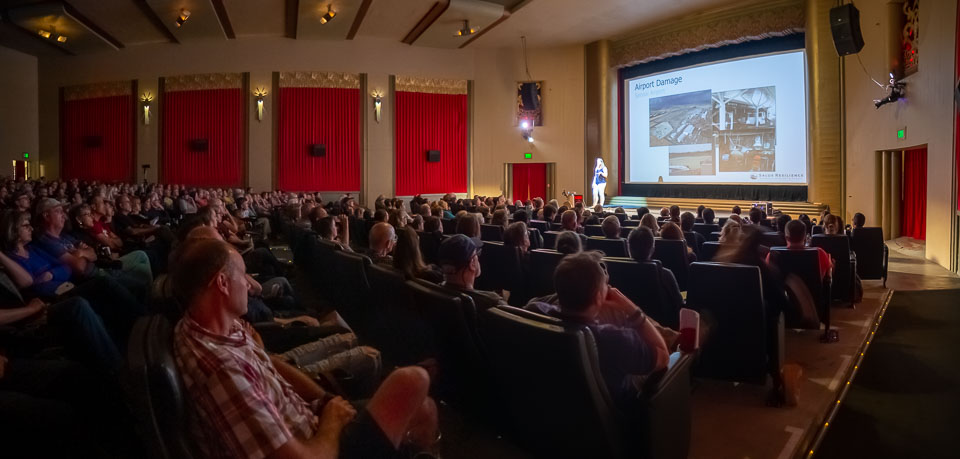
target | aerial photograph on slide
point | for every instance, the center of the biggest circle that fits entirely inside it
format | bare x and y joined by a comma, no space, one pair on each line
744,123
681,119
692,159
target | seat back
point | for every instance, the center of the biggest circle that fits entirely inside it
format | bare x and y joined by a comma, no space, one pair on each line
693,242
491,232
556,227
721,221
549,378
868,244
536,239
817,229
541,225
630,223
771,239
543,263
730,298
609,247
672,255
705,229
640,282
449,225
500,267
352,295
805,264
321,267
430,246
708,250
397,330
593,230
550,239
838,246
155,391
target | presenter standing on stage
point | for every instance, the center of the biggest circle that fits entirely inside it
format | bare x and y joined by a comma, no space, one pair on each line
599,182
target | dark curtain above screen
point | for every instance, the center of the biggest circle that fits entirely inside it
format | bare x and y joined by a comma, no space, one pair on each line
96,139
913,216
212,114
328,116
431,122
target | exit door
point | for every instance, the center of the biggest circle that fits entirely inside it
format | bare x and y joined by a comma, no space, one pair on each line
529,181
21,170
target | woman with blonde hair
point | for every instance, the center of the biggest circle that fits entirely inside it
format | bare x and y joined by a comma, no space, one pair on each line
650,221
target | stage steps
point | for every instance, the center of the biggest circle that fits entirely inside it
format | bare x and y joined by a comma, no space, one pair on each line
721,207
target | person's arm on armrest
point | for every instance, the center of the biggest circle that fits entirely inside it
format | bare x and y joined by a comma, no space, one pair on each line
325,444
17,273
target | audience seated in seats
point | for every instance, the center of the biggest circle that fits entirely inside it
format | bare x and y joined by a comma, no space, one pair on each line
416,223
468,224
499,218
796,234
832,224
521,215
611,227
568,242
671,231
570,222
460,263
708,216
516,235
675,213
245,404
335,229
550,213
641,242
782,221
628,342
694,239
859,220
664,213
730,234
641,212
383,237
700,209
408,260
650,222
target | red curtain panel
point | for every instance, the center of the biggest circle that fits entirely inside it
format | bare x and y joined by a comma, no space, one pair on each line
913,216
430,122
96,139
311,116
214,115
529,181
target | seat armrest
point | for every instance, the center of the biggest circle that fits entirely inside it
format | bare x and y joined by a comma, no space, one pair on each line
665,413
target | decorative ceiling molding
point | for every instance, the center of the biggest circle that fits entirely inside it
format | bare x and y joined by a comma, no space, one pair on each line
77,16
431,85
361,14
95,90
224,18
711,30
155,20
319,80
426,21
203,81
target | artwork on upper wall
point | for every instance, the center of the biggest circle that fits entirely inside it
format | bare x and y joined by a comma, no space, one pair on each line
910,36
529,106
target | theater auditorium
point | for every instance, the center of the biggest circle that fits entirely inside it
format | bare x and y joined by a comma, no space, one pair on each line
506,229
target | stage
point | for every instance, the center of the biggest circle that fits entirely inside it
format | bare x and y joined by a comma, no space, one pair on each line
721,207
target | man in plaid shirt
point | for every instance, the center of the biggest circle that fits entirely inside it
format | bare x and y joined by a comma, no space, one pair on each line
244,404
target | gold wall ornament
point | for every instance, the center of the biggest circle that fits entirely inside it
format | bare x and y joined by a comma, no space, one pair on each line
203,81
259,94
145,100
377,103
95,90
431,85
319,80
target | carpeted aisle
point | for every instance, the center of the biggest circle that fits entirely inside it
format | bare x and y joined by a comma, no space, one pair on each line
905,400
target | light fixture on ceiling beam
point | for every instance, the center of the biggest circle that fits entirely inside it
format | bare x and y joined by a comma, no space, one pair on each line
329,16
62,38
43,33
466,29
184,15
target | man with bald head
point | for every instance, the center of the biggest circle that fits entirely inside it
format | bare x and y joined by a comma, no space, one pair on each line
244,406
382,239
568,220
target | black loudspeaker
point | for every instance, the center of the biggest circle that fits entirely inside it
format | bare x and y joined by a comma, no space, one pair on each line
530,96
318,149
433,156
845,27
199,145
92,141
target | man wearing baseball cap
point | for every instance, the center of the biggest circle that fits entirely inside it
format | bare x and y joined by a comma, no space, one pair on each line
459,258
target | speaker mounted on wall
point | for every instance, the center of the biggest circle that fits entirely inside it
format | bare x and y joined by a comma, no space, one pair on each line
318,149
199,145
92,141
433,156
845,27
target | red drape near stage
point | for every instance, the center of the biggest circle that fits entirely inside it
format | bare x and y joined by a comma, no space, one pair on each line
913,209
329,116
430,122
529,181
212,114
96,139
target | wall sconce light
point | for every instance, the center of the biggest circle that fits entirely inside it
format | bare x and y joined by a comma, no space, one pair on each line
329,16
377,103
62,38
43,33
145,100
260,93
184,15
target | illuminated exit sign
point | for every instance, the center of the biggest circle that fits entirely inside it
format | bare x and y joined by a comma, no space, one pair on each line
902,133
528,156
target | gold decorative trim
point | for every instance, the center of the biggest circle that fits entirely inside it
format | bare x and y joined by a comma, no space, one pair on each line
431,85
203,81
92,91
733,25
319,80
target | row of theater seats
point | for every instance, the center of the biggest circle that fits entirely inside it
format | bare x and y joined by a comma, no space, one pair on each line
528,376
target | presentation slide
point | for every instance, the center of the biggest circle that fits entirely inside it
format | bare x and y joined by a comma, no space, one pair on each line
742,121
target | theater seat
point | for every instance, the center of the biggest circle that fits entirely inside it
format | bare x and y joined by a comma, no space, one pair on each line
729,298
705,229
771,239
540,225
155,392
640,282
610,247
593,230
630,223
550,239
708,250
693,241
500,268
353,297
543,263
430,246
397,330
491,232
844,263
547,374
672,255
536,239
449,225
805,264
872,253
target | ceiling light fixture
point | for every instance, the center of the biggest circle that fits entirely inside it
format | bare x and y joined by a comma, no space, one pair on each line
184,15
466,29
329,16
43,33
62,38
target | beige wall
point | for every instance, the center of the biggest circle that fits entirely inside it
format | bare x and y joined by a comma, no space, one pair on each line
927,114
19,131
496,139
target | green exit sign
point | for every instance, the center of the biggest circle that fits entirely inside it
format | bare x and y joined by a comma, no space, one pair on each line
528,156
902,133
26,155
